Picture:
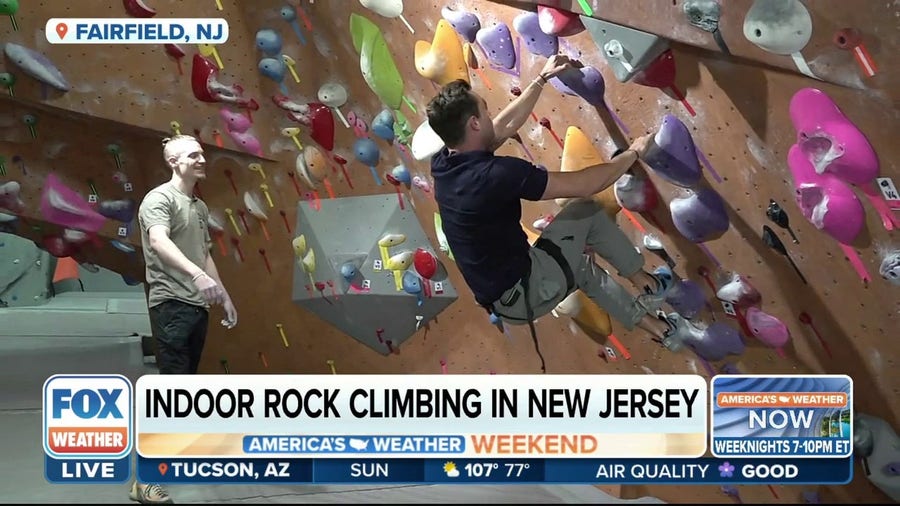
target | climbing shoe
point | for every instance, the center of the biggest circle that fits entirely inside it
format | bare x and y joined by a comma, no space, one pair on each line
654,297
681,333
149,494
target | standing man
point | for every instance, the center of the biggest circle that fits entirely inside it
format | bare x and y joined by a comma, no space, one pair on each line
181,275
479,198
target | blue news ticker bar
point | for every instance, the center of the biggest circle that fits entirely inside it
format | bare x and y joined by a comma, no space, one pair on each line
751,447
701,471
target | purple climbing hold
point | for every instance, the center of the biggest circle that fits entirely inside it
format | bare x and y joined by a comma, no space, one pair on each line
686,298
585,82
719,341
119,210
498,45
465,23
673,155
701,216
729,368
529,27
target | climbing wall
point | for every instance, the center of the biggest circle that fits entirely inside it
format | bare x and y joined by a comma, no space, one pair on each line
735,109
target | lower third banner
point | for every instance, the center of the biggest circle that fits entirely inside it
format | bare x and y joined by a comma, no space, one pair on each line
702,471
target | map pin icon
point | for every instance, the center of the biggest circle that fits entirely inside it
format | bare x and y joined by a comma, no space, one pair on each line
163,467
61,30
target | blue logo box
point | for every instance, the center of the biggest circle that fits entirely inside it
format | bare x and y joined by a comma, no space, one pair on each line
781,416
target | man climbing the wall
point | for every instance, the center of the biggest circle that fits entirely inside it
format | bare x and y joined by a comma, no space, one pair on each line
479,199
182,278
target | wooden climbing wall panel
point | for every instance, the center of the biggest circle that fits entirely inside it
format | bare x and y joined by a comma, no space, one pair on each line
740,123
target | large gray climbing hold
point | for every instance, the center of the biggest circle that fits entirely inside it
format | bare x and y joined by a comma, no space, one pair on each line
627,50
778,26
703,14
876,441
890,268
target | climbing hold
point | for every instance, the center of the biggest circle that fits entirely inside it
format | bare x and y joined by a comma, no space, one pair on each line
10,199
498,45
704,14
890,268
376,62
585,82
701,216
831,141
388,9
269,42
235,121
442,61
65,207
673,155
383,125
334,96
558,22
579,153
686,297
738,292
536,41
207,88
274,69
8,81
779,217
120,210
767,328
781,27
826,202
37,66
425,142
465,23
401,173
636,193
138,9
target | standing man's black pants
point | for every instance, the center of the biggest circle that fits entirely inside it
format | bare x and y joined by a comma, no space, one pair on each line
180,333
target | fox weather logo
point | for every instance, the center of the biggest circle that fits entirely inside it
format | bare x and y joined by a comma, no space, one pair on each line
87,416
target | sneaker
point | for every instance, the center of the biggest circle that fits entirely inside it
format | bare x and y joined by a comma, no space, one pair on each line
681,333
149,494
655,297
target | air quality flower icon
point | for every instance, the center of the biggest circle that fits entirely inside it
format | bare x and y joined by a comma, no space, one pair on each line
726,470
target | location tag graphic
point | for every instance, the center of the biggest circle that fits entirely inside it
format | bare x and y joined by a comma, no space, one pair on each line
61,30
163,467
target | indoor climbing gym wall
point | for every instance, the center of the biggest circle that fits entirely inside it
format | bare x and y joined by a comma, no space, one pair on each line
769,191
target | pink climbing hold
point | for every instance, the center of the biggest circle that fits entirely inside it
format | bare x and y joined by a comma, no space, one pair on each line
247,142
768,329
824,200
235,121
830,140
66,208
559,22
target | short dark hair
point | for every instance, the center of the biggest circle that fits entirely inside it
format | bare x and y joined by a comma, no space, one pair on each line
449,111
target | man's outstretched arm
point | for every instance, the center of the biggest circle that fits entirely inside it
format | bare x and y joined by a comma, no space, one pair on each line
514,115
596,178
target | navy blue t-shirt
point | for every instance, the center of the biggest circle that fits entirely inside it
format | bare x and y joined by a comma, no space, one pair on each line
479,198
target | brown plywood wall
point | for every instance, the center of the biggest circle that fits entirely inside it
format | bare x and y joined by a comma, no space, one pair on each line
130,95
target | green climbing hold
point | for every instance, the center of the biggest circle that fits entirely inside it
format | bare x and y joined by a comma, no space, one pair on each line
9,7
376,62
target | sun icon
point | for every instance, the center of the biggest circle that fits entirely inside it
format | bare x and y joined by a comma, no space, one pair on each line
451,470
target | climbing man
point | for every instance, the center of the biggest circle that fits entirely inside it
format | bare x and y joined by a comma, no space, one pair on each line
181,276
479,199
